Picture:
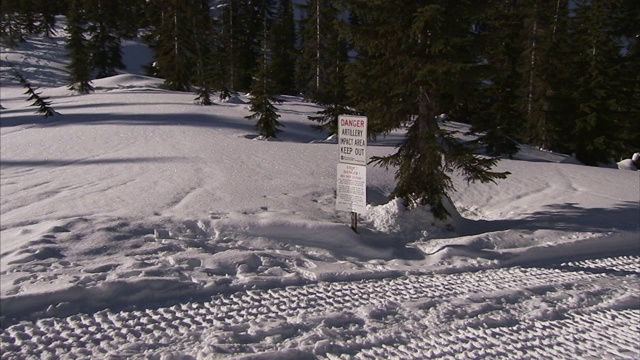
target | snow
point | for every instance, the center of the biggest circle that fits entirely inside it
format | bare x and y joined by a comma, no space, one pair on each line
630,164
134,206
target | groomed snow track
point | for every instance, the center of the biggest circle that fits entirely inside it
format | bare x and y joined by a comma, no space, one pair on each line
581,309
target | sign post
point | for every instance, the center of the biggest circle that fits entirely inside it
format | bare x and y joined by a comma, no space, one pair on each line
352,169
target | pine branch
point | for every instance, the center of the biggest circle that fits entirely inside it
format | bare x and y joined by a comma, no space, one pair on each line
328,118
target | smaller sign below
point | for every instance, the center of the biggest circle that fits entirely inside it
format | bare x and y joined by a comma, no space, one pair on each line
352,188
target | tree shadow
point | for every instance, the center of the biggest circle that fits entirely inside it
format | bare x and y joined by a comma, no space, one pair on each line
566,217
198,120
5,163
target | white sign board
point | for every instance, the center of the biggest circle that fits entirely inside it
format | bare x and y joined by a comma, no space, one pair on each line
352,187
352,139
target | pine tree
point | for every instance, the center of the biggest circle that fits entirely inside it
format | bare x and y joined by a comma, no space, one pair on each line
629,30
417,60
335,98
226,48
78,50
42,102
48,10
131,17
10,24
262,98
20,19
317,29
240,33
220,65
322,66
172,42
261,104
29,17
544,70
498,115
204,34
283,62
104,36
599,83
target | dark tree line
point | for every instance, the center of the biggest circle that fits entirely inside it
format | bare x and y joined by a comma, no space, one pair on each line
559,74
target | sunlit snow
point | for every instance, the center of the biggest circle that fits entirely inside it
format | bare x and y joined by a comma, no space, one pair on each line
133,198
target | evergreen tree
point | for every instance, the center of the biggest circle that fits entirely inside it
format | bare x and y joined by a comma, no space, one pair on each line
104,36
220,64
498,114
317,30
47,25
240,31
261,104
78,50
629,29
205,43
599,85
10,24
227,49
20,19
131,17
262,97
172,42
42,102
418,59
28,16
544,70
283,62
335,98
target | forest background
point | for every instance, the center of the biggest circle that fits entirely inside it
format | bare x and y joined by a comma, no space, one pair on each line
560,75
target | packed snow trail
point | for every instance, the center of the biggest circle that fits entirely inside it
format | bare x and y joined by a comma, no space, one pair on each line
581,309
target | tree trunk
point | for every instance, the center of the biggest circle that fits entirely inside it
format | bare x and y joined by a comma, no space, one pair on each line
426,113
532,60
317,46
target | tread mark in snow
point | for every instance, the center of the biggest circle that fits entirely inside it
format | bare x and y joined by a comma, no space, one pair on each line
532,312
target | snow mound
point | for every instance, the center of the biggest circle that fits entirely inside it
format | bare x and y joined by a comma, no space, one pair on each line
630,164
394,218
126,82
234,99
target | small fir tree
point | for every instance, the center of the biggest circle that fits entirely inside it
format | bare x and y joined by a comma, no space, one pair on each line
266,115
262,98
261,104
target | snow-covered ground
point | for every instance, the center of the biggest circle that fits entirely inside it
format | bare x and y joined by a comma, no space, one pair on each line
138,224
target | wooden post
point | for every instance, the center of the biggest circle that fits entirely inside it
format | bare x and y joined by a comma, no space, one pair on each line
354,222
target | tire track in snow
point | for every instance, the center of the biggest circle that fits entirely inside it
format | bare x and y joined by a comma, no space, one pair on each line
563,311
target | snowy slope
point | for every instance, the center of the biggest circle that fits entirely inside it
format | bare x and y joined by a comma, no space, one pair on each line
134,195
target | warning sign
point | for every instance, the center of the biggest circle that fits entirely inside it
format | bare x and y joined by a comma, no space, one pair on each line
352,139
352,187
